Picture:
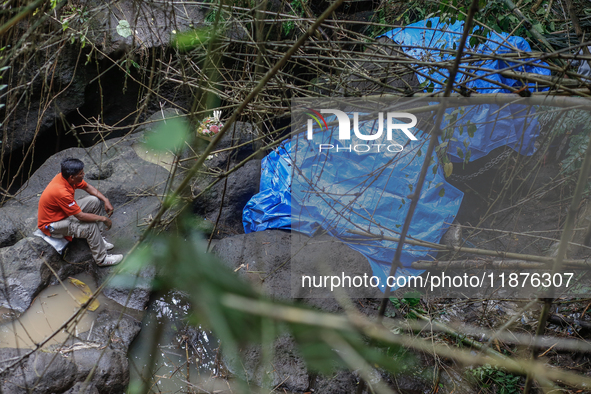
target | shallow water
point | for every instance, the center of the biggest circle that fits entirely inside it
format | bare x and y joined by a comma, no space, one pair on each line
50,309
184,358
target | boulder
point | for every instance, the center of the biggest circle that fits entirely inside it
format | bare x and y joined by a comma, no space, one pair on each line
83,388
113,328
27,268
281,258
133,186
340,382
274,261
122,25
46,95
65,368
111,368
138,283
65,87
362,77
240,186
8,232
287,371
41,372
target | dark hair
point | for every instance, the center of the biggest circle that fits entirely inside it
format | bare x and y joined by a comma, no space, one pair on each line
71,166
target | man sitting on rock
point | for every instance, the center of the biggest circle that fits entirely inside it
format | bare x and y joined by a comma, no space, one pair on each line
61,216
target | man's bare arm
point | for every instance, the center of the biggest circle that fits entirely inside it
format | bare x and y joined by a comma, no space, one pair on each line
94,192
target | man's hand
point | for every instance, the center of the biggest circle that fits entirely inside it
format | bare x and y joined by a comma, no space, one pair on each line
108,208
91,217
94,192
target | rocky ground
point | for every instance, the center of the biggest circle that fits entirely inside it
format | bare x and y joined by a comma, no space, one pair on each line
134,185
134,178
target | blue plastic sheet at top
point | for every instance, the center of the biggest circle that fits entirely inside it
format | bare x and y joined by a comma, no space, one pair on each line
351,191
507,126
426,44
510,125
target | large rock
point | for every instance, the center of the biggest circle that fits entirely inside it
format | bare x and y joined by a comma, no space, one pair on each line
133,185
114,328
111,368
150,24
41,372
287,369
274,262
364,76
41,96
83,388
34,107
237,189
102,355
8,232
27,268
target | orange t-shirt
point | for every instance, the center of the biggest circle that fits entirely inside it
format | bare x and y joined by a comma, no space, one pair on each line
57,202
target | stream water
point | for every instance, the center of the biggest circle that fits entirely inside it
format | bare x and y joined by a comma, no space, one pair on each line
177,356
173,355
50,309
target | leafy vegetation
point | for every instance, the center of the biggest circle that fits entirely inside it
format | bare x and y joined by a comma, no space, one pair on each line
219,300
569,134
495,380
492,15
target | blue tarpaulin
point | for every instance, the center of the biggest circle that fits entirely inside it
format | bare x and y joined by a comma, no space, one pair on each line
271,207
433,41
493,126
342,191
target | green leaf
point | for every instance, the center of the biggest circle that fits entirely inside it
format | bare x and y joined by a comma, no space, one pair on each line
471,130
192,39
538,27
448,168
442,192
412,298
124,29
171,134
138,260
460,153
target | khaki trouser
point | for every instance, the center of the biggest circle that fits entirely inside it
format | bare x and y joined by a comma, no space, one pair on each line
91,231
